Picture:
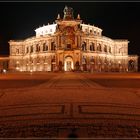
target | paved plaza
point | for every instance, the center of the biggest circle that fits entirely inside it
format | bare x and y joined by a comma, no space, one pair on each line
70,105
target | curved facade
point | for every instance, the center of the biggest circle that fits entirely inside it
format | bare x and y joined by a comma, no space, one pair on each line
71,45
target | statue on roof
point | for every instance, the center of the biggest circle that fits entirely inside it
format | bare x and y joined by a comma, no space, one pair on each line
68,13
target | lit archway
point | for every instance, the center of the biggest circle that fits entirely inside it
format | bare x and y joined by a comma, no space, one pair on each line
68,64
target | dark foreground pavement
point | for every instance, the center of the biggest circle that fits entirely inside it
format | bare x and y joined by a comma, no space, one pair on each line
70,105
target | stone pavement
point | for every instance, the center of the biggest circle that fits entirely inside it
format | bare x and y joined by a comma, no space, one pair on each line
70,105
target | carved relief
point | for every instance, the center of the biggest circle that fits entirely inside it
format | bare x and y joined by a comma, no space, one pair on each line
68,36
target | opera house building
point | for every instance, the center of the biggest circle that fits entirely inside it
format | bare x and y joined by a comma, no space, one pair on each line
70,45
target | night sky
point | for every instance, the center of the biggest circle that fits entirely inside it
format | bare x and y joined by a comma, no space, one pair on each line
18,20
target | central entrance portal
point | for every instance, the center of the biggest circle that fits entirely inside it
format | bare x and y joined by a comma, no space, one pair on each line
68,65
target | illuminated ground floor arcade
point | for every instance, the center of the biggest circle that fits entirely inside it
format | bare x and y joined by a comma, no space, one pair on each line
73,61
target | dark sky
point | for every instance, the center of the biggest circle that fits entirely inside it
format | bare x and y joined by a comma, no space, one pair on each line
119,20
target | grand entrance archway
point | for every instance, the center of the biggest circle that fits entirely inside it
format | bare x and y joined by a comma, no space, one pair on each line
68,65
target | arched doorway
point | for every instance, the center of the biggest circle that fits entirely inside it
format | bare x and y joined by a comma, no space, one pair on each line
68,64
131,65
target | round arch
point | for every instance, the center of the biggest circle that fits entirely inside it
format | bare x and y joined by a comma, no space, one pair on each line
68,64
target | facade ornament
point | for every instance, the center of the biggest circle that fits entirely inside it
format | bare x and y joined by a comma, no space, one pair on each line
78,16
68,13
58,17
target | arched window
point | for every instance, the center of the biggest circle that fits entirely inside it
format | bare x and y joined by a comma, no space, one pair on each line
109,49
105,48
84,48
84,60
37,48
92,60
45,47
99,60
53,46
90,31
99,48
92,47
27,50
31,48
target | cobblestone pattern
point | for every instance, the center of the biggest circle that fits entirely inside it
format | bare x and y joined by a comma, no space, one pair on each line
28,131
53,130
120,131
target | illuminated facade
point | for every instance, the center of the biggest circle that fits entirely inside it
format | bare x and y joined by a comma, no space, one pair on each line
4,63
70,45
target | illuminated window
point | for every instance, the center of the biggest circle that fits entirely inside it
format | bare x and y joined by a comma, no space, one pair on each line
105,48
92,47
53,46
99,48
45,47
37,48
99,61
84,60
92,60
84,47
38,60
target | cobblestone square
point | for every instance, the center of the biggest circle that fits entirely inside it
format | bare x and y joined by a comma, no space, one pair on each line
70,105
